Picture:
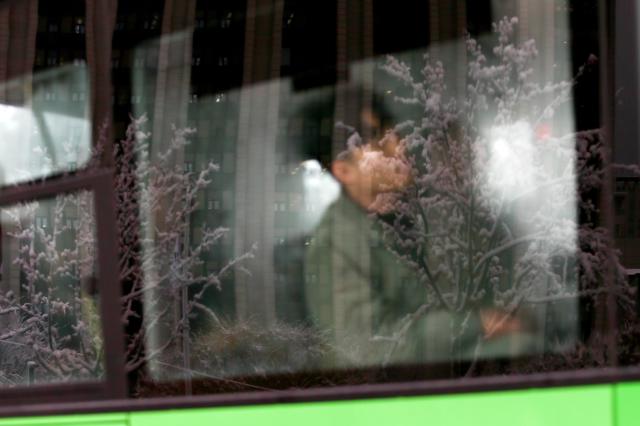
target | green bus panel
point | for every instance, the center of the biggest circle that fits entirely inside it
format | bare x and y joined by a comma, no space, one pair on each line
575,406
627,397
579,406
69,420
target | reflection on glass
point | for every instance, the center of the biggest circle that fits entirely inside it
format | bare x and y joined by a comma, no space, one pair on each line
52,126
422,217
297,208
474,222
49,320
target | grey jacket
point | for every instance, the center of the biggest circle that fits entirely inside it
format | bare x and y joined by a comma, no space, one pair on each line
359,295
358,292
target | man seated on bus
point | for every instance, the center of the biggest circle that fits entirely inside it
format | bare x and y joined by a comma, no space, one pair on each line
361,291
366,301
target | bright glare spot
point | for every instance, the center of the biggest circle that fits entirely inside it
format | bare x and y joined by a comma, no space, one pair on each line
44,152
526,173
511,168
37,140
320,190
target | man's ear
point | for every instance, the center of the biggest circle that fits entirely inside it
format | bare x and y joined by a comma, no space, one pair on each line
343,171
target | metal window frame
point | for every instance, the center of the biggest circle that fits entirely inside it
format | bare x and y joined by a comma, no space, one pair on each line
339,393
100,183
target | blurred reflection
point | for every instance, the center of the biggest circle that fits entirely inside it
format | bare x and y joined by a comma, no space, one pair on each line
422,210
320,189
367,296
50,329
356,290
53,126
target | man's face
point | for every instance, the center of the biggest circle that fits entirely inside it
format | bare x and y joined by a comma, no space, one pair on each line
374,168
383,164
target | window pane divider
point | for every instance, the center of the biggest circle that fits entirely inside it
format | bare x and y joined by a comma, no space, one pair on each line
114,384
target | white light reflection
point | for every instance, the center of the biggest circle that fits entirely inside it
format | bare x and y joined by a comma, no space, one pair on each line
535,177
32,147
510,168
320,191
50,132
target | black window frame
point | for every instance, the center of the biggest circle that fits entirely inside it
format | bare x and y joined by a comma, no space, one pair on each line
113,385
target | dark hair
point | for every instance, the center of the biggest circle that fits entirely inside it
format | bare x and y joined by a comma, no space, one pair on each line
314,111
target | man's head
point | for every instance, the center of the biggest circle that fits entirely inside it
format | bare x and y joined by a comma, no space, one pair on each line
372,167
371,160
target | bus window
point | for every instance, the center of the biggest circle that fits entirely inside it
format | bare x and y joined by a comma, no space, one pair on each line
318,194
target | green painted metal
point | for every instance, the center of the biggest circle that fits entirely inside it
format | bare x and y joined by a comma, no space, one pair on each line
627,403
580,406
117,419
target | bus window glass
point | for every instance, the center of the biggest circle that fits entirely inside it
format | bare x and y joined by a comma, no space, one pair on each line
314,194
49,303
45,122
406,201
